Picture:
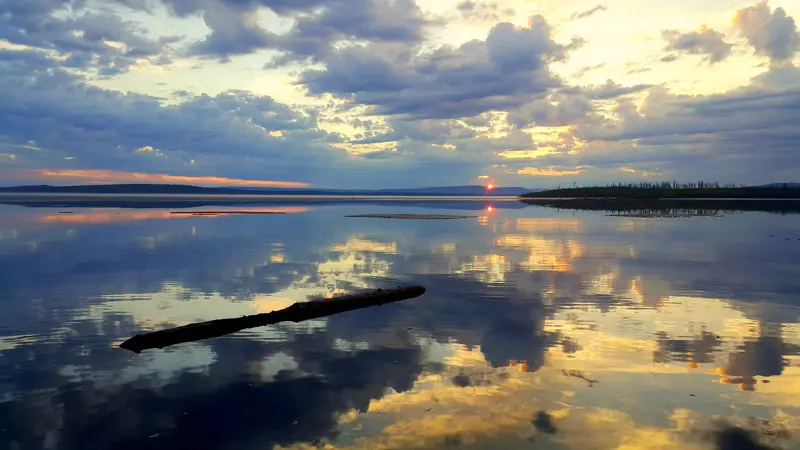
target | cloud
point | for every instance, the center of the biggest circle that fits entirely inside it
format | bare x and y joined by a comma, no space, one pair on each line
87,40
103,40
609,90
467,106
556,110
551,171
588,13
478,76
704,41
586,69
229,135
569,105
771,33
468,146
233,32
486,11
114,176
778,77
639,70
235,27
742,136
183,8
639,172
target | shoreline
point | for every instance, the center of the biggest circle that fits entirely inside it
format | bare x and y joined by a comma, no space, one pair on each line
668,199
38,196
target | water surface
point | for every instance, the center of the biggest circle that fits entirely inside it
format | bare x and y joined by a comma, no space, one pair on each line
541,329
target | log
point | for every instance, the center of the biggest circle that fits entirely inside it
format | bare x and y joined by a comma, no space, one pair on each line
298,312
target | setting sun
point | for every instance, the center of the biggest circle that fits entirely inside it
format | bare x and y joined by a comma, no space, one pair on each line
490,187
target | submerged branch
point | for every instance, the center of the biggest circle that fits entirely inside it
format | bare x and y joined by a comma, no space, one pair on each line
298,312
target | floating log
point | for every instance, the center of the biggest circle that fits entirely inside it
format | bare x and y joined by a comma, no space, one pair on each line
298,312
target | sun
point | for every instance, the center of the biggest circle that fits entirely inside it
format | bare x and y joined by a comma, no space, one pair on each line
490,187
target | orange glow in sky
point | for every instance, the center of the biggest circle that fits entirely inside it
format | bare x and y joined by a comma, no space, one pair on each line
114,176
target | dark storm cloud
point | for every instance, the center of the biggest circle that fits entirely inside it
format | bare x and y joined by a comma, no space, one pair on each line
499,73
771,33
705,42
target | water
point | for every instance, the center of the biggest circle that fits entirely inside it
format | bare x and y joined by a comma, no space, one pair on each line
541,329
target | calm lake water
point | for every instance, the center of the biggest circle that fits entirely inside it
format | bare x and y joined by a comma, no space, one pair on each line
541,329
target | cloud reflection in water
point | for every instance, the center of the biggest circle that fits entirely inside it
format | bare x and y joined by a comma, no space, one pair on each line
621,339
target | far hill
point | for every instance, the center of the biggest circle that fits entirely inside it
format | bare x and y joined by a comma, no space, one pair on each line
457,190
179,189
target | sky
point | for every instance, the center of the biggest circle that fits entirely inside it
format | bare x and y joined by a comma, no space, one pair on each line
398,93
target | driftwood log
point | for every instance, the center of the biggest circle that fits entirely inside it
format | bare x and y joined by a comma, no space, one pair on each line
298,312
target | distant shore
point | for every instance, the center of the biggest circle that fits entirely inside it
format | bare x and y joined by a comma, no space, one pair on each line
46,197
710,206
666,191
622,200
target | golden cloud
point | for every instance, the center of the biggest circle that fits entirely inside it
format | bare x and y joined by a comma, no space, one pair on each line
643,173
115,176
550,171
